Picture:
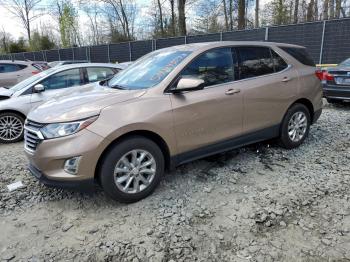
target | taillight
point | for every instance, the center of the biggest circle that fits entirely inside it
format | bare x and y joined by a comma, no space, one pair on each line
323,75
35,72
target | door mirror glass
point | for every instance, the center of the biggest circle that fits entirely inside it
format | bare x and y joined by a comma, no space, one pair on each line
188,83
38,88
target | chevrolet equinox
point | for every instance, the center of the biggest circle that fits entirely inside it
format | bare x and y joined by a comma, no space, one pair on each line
170,107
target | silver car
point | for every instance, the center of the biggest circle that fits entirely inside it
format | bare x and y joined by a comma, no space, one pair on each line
16,102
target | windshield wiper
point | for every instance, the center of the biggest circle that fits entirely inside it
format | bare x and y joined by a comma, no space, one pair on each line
118,87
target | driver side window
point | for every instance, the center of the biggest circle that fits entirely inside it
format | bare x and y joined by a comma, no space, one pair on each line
63,79
214,67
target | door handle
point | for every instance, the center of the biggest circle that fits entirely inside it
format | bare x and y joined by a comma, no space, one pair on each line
285,79
232,91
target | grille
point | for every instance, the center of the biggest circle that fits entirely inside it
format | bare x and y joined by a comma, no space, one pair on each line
32,135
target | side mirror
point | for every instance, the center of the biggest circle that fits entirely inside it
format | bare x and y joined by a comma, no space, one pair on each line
189,83
38,88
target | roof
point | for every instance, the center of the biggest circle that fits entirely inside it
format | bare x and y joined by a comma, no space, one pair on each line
21,62
72,66
208,45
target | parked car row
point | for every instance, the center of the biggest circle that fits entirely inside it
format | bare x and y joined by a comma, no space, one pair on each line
170,107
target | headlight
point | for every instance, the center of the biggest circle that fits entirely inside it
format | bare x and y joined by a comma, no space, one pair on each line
66,129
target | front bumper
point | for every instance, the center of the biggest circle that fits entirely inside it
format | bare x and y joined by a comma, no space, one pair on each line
336,92
47,162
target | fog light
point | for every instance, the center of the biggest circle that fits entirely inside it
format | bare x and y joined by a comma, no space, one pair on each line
71,165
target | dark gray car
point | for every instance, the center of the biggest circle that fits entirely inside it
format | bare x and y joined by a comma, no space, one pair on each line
336,82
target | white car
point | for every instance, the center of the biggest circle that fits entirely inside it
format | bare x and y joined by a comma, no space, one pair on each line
16,102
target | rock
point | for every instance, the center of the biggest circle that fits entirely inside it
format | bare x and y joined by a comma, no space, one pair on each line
150,232
326,241
66,227
283,224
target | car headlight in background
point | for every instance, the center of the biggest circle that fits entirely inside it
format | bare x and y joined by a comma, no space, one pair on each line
65,129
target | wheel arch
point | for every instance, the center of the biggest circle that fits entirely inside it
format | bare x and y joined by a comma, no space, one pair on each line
14,112
157,139
306,102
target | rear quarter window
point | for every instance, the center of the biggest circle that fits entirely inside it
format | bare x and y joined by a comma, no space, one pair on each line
300,54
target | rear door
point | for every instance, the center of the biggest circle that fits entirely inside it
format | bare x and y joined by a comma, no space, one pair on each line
268,84
56,84
9,73
214,114
94,74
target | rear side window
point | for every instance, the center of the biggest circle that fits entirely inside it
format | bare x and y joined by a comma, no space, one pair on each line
214,67
8,68
300,54
99,73
63,79
278,62
254,61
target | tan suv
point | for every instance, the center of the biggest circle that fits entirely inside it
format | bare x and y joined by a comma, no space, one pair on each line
170,107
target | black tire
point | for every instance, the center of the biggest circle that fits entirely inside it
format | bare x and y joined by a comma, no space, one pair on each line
111,159
19,118
334,101
284,139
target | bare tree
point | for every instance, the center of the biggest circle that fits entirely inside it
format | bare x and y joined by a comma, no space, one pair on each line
173,17
296,11
337,8
310,11
241,14
331,9
256,13
24,11
181,4
225,14
161,22
325,10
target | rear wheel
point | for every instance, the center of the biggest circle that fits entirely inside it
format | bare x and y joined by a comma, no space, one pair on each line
295,127
11,127
132,169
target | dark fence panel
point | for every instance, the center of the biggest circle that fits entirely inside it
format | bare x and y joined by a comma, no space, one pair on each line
336,41
66,54
80,53
52,55
167,42
19,56
119,52
99,54
203,38
29,56
245,35
308,35
140,48
38,56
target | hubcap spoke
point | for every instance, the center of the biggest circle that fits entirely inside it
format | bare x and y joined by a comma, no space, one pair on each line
135,171
11,128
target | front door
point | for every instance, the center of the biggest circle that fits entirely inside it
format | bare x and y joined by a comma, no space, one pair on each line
57,84
214,114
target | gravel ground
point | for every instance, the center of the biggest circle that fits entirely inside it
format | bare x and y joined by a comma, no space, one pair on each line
258,203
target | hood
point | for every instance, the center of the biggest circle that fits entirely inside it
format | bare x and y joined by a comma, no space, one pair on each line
80,103
5,93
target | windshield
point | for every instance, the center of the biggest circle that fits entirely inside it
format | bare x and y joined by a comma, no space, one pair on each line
31,80
345,63
149,70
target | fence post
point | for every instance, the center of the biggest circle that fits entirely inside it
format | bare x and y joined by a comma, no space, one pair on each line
266,34
322,42
155,44
221,36
130,56
59,55
34,56
185,39
73,53
108,53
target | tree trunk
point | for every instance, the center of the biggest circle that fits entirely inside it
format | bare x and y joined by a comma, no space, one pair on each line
296,11
231,14
331,9
241,14
310,11
225,14
182,17
325,10
316,11
161,18
173,17
337,8
256,13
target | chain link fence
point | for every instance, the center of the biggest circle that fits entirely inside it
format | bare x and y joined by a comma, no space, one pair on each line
327,42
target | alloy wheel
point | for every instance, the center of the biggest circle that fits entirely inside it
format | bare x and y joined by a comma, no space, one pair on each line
135,171
297,126
11,128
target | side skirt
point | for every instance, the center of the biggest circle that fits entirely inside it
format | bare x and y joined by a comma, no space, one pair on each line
257,136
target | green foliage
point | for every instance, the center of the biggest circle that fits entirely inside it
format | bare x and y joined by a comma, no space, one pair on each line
41,42
68,23
18,46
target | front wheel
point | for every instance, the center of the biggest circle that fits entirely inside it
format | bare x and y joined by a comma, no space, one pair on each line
11,127
295,126
132,169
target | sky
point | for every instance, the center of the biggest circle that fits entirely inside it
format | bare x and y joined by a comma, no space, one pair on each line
12,24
